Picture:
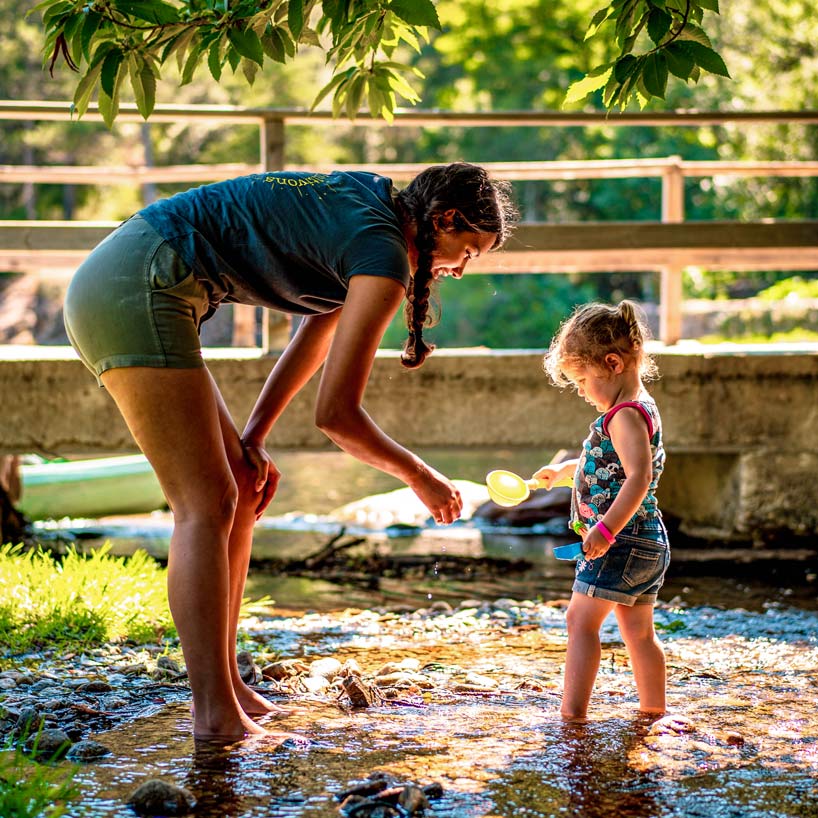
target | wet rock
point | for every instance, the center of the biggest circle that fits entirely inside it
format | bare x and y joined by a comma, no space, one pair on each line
672,725
157,797
359,692
476,680
29,721
87,751
376,799
328,668
249,671
413,799
315,684
364,789
48,744
287,669
433,790
94,687
167,669
734,738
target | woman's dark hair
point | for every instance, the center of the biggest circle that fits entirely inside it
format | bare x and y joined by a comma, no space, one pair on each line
481,205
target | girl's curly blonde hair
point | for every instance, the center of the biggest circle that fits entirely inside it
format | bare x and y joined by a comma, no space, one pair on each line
593,331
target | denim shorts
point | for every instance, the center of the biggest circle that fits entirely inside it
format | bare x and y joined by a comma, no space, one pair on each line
134,302
633,569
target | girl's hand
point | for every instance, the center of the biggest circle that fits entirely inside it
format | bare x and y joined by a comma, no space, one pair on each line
594,544
439,495
264,472
547,475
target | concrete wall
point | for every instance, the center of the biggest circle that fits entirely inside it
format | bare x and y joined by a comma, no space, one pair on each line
739,422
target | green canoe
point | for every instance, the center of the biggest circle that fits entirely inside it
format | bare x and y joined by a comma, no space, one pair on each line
99,487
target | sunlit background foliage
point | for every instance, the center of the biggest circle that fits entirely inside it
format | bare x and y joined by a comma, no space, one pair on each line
500,55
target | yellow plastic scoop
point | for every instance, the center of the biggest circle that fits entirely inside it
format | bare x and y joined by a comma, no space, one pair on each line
508,489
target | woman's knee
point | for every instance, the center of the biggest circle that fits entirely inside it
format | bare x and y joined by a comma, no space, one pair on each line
213,503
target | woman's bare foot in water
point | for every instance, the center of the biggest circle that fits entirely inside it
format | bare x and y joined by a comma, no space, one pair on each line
225,727
254,704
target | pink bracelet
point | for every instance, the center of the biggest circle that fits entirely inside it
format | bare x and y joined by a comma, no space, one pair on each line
606,532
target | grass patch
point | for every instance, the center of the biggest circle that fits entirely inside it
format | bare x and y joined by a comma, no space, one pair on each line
79,601
32,790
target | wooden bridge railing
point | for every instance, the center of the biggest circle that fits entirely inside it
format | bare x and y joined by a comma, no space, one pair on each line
667,247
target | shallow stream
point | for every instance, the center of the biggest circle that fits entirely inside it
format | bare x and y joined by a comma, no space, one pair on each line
741,638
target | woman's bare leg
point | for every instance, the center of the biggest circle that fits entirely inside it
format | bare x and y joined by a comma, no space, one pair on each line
239,548
646,654
584,619
174,417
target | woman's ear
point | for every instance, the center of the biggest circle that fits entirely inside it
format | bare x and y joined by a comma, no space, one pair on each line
444,221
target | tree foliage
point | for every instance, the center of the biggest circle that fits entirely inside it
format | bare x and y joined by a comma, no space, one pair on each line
113,42
673,44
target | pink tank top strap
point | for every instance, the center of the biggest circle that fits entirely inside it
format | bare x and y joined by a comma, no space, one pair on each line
635,405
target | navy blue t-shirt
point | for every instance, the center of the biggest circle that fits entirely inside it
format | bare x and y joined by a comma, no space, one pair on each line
285,240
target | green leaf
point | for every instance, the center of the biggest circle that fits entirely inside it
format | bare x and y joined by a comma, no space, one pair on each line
658,24
89,29
85,87
591,82
355,95
295,17
330,86
143,82
654,74
192,63
247,44
624,67
596,21
272,45
110,71
694,34
679,62
710,5
214,60
108,101
416,12
705,58
152,11
249,68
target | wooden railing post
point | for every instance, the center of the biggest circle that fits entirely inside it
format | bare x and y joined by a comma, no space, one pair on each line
670,288
275,326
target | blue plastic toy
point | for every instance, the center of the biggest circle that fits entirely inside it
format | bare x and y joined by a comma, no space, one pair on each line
571,551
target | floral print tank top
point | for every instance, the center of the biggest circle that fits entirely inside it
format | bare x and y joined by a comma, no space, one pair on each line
599,475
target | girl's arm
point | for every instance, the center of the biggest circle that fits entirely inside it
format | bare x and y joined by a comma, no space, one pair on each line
629,435
552,473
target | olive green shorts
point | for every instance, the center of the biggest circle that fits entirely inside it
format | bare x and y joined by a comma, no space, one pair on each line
134,302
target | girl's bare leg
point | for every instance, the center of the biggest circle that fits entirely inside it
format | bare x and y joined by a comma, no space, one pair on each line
646,654
584,619
174,418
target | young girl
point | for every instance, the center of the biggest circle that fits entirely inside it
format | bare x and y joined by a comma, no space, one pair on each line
600,351
341,249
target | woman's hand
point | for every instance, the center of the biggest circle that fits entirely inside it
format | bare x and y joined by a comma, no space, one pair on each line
264,472
439,495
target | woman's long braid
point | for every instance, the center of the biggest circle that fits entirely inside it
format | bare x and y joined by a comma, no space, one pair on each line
480,206
416,349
